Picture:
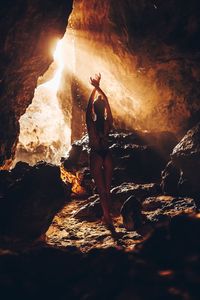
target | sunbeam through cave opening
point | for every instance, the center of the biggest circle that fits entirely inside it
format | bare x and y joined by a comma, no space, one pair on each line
45,133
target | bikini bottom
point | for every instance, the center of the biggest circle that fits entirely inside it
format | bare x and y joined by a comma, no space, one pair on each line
102,152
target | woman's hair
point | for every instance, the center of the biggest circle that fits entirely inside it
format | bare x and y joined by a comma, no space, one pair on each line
99,109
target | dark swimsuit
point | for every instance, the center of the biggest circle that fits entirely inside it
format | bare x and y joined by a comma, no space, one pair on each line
102,152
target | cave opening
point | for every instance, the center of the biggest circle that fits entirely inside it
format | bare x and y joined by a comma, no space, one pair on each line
45,132
56,116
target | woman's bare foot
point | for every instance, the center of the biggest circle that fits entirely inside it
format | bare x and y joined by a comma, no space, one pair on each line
108,222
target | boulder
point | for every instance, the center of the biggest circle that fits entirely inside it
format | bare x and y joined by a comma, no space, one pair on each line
9,178
175,246
121,193
90,211
131,213
170,178
154,209
185,159
137,156
29,204
136,163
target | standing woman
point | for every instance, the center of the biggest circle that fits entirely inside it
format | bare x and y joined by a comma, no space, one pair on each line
99,123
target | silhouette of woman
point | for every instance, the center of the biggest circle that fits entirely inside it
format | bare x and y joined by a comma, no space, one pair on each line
99,123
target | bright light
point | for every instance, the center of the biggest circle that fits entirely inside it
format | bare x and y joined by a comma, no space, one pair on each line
54,83
58,53
44,132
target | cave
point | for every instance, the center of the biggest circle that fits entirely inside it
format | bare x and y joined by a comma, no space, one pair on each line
53,244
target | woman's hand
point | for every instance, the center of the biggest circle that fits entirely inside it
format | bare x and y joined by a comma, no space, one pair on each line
95,81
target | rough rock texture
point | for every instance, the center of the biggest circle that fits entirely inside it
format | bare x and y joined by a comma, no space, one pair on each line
119,195
30,199
67,230
170,179
155,208
183,175
131,212
165,266
174,245
141,191
148,53
29,31
137,156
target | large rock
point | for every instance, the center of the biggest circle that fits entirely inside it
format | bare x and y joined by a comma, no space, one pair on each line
91,210
30,201
183,176
170,178
154,209
131,212
137,156
141,191
173,247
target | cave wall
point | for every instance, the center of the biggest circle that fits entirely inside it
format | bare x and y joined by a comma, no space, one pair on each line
29,32
151,48
147,51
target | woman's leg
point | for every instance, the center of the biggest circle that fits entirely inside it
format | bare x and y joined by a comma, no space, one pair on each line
96,168
108,171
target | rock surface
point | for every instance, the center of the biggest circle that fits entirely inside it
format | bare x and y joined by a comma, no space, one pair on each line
174,245
148,53
165,266
31,198
119,195
137,156
157,208
183,175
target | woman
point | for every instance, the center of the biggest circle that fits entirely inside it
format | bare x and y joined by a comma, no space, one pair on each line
99,123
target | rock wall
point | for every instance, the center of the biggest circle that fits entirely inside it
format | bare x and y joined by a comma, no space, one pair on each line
29,32
148,54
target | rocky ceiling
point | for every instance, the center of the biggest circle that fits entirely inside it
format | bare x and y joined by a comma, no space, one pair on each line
148,52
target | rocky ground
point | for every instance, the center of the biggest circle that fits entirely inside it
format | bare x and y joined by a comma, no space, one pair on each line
154,251
86,234
66,230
